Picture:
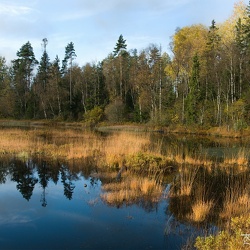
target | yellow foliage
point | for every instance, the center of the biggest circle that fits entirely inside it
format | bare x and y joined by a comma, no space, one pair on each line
187,42
227,29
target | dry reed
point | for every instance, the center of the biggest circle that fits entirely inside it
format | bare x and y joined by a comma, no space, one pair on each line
131,189
200,210
239,159
184,184
236,203
70,144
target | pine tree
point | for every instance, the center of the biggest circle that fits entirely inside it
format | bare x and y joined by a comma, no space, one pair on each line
70,55
120,45
22,76
44,65
193,95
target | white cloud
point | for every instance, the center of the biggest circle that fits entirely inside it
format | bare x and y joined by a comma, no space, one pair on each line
14,10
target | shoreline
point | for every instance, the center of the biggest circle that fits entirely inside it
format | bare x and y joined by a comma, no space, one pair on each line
178,130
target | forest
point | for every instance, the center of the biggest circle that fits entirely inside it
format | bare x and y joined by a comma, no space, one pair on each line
204,81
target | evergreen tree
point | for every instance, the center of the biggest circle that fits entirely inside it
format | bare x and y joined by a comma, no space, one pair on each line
44,65
193,96
70,55
120,45
22,74
214,69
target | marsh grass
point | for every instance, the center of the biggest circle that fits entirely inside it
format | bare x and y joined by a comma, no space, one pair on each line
200,210
239,160
184,184
237,201
201,207
135,148
72,144
131,190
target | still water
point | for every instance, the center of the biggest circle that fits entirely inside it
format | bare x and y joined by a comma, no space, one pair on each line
46,205
51,207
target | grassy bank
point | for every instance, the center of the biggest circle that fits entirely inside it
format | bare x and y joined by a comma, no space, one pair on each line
107,127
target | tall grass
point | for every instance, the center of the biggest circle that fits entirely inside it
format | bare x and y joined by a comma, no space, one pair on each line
200,210
201,207
135,148
237,200
184,184
131,189
239,159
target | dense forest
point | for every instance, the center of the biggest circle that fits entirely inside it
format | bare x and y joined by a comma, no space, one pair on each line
205,81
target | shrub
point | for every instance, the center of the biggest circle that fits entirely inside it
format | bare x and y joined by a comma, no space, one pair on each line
231,239
94,116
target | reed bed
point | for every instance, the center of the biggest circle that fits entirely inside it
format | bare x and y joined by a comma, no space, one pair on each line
200,210
131,190
196,160
73,144
239,159
184,183
236,203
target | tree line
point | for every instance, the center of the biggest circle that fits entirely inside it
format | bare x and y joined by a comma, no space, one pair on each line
204,81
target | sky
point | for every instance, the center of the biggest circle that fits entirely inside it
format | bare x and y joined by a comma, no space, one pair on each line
94,26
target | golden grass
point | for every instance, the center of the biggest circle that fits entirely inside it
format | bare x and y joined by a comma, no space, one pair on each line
200,210
110,152
235,204
192,160
240,159
71,144
184,183
131,189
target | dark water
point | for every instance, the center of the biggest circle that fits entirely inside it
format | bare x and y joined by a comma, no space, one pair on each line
46,205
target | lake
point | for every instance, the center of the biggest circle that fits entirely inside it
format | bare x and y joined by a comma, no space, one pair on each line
58,203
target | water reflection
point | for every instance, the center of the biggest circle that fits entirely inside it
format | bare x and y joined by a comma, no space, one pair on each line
23,174
173,199
55,196
27,174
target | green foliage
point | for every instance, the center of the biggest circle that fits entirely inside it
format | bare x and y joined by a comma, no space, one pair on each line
193,97
120,45
206,82
69,56
94,116
144,161
115,111
227,239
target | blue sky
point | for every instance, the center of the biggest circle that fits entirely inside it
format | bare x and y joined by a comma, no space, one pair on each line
95,25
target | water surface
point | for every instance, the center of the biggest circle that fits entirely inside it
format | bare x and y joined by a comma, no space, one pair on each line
52,205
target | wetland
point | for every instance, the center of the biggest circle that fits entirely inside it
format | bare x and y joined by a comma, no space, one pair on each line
71,188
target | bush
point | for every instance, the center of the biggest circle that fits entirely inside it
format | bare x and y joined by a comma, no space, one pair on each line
228,239
115,111
94,116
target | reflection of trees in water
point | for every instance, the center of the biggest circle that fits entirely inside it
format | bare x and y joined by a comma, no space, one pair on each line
67,177
23,174
228,190
4,170
28,173
44,178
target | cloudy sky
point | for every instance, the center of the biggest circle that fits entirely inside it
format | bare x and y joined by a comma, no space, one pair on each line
95,25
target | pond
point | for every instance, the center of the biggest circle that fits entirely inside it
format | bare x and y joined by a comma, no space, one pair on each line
65,204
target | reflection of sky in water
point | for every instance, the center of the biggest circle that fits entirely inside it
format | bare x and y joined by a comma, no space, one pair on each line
82,222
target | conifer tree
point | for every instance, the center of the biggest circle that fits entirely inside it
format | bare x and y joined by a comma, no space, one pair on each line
70,55
22,74
120,45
